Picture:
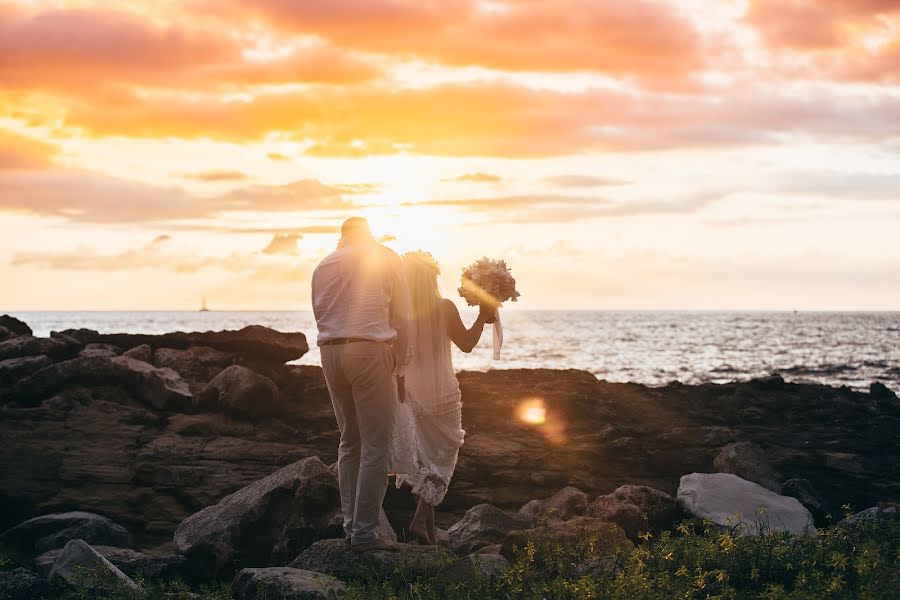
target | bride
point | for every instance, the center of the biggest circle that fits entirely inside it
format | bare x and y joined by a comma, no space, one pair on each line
428,427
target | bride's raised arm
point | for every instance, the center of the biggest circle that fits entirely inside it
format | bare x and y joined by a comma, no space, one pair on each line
465,339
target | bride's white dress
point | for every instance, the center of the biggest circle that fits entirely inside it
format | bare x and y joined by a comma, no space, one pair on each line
428,425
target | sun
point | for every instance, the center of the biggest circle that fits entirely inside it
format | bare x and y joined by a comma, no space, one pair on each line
408,228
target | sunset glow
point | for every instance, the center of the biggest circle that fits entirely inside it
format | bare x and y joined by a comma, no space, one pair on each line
689,154
532,411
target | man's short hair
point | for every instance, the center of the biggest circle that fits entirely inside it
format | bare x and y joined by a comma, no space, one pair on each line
355,228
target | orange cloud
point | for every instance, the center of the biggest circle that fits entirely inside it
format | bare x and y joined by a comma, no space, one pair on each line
835,36
550,208
496,119
646,40
583,181
17,152
476,178
75,50
816,24
216,176
88,198
283,243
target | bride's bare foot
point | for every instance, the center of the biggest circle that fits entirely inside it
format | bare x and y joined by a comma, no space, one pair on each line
419,533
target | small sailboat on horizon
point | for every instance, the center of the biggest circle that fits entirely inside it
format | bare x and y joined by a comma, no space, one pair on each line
203,307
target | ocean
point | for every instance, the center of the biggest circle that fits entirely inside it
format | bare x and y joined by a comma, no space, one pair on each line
649,347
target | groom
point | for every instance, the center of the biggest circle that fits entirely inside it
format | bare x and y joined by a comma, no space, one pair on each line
361,303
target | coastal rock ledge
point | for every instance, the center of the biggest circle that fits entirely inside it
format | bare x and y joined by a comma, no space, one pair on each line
118,425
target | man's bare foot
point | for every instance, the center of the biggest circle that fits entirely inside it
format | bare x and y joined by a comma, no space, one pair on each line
379,544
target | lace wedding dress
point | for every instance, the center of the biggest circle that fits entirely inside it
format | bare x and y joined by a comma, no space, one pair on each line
428,424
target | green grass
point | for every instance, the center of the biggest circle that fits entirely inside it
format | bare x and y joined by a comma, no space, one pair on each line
697,560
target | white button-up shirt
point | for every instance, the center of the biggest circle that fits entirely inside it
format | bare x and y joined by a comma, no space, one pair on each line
359,291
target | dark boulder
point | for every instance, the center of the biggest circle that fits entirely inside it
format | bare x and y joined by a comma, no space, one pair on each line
255,341
143,353
160,388
284,583
197,365
133,563
577,535
242,393
49,532
26,345
881,393
264,524
637,509
803,490
15,326
78,565
103,350
475,566
335,558
565,504
14,369
885,513
748,461
483,525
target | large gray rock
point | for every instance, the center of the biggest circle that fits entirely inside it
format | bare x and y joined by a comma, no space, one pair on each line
336,558
263,524
747,461
49,532
79,565
636,509
26,345
729,501
565,504
475,566
14,369
22,584
484,525
131,562
284,583
160,388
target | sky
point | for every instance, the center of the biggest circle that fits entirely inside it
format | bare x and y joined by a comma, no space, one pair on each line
683,154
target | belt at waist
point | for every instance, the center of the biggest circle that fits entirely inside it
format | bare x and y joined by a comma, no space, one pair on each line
341,341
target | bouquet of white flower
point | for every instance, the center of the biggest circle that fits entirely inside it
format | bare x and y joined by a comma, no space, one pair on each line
488,282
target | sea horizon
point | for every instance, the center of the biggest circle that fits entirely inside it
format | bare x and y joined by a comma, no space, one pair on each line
651,347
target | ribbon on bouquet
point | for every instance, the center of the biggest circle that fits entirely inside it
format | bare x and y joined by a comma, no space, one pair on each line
498,336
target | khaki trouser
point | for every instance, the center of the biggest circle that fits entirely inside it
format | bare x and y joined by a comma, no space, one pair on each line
364,395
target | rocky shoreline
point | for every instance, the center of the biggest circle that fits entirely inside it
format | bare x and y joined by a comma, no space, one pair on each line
149,430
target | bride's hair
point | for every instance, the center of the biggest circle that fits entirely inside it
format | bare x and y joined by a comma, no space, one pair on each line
421,271
432,342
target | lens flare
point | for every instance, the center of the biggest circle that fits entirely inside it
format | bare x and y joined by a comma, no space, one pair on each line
532,411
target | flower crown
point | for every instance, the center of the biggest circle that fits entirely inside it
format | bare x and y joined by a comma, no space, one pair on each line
425,258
